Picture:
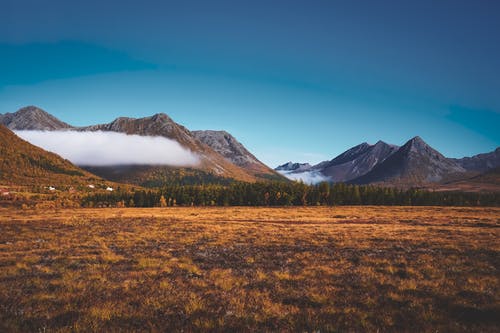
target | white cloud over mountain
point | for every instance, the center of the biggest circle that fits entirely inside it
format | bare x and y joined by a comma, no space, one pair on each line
307,177
111,148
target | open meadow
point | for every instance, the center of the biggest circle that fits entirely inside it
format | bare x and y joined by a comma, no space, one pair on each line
250,269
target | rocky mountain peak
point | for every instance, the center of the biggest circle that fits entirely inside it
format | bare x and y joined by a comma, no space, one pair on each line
32,118
355,162
417,144
32,111
161,118
382,143
414,163
232,150
226,145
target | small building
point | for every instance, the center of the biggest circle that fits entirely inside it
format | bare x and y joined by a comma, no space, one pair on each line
52,188
90,186
110,189
4,192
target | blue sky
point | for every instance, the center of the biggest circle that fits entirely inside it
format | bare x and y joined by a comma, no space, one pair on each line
292,80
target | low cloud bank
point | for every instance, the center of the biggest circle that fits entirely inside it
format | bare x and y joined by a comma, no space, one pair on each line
111,148
307,177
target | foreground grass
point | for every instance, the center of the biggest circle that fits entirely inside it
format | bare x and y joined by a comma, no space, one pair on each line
247,269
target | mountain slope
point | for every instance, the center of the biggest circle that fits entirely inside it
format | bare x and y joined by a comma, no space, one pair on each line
162,125
22,163
414,163
226,145
32,118
485,182
356,161
480,162
490,177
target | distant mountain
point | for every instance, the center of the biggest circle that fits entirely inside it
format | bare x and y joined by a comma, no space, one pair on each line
356,161
414,163
294,167
481,162
32,118
489,177
227,145
22,163
485,182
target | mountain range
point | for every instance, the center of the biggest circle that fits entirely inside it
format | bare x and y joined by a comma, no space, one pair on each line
413,164
356,161
222,158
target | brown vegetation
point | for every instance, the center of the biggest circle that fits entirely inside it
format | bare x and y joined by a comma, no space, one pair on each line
250,269
22,163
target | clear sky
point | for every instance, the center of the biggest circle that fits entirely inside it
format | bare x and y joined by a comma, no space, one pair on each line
292,80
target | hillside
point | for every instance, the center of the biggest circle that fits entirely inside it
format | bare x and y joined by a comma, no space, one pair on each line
156,176
22,163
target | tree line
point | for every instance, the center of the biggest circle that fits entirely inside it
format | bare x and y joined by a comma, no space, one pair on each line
286,194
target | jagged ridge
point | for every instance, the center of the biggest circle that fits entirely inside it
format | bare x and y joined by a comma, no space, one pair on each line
414,163
356,161
227,145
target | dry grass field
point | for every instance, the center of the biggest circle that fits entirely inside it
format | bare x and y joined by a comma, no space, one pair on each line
235,269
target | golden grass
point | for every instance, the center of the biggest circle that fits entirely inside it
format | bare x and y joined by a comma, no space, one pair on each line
250,269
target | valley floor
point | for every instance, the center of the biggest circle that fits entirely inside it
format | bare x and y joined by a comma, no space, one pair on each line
250,269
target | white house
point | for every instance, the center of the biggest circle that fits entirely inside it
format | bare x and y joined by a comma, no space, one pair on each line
110,189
